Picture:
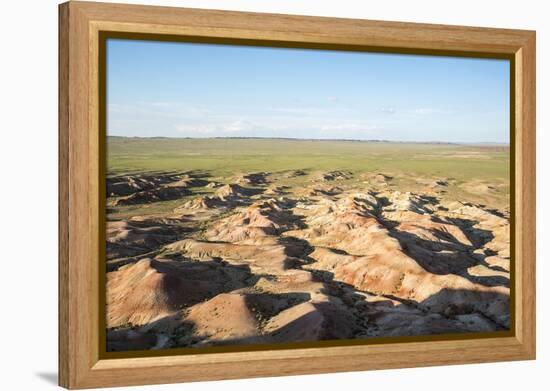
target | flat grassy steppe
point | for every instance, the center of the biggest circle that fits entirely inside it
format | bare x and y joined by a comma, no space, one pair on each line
227,156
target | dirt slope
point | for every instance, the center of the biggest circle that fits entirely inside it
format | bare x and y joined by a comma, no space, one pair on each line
338,257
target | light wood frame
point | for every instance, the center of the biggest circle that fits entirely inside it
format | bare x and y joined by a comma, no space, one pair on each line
80,23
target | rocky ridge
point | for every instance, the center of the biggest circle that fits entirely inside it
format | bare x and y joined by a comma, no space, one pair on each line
255,261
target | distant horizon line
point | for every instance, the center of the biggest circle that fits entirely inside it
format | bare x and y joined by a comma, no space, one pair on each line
320,139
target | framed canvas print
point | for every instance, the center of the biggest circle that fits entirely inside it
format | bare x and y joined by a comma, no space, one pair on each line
248,195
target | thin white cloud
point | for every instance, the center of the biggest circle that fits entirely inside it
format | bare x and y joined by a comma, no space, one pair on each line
238,126
232,127
348,127
423,111
388,110
162,104
184,120
309,110
196,129
262,127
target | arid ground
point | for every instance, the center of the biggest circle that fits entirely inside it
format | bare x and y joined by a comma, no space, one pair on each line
251,241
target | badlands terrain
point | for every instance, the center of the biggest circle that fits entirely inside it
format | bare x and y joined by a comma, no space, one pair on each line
256,241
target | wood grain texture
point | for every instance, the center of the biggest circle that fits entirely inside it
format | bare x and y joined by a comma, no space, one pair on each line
80,365
170,20
63,176
526,187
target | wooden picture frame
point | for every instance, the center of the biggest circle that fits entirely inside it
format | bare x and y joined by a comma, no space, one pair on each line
81,25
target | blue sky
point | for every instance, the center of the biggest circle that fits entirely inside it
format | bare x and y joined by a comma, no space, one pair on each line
201,90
